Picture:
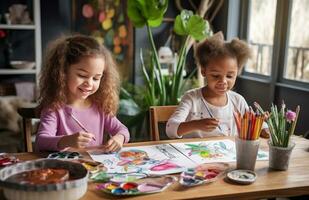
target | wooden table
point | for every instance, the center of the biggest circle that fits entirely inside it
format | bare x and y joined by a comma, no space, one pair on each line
293,182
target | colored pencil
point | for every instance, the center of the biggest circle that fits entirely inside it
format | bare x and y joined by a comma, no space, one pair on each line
249,125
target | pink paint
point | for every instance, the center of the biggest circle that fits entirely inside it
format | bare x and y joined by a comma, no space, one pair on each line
149,187
164,166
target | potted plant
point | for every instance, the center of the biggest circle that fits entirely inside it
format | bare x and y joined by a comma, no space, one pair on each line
161,89
281,124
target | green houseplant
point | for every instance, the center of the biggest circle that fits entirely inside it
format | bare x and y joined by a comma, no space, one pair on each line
281,123
159,89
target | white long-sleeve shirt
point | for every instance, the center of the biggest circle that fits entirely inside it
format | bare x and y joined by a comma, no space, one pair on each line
193,106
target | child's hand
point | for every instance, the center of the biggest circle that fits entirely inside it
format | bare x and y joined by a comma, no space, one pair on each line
77,140
114,144
265,133
207,125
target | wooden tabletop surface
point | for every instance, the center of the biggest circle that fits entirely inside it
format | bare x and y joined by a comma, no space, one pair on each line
293,182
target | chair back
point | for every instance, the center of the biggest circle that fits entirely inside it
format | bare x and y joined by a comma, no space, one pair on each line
27,114
159,114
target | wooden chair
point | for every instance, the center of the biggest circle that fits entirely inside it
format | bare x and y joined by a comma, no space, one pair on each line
159,114
27,114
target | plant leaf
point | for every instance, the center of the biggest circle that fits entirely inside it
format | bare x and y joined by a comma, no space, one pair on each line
142,12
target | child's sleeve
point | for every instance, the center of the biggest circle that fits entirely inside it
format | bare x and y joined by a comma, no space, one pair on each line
180,115
46,138
113,126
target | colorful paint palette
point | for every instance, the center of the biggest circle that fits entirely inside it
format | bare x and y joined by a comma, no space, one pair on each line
204,173
65,155
6,159
136,188
242,176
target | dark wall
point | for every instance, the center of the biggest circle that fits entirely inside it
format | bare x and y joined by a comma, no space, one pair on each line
55,20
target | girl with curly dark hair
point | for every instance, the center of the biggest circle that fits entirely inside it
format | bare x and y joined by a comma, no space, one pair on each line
208,111
79,88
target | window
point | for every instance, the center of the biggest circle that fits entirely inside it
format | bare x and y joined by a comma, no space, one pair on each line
297,65
262,15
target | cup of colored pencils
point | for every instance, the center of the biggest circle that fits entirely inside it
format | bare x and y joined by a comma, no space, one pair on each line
249,125
247,141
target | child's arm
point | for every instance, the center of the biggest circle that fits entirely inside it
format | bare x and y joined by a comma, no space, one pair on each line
206,125
46,138
119,133
180,124
265,133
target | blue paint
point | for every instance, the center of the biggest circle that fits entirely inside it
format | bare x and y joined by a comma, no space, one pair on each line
118,191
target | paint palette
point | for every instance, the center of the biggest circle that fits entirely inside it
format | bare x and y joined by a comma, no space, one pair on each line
244,177
6,159
136,188
201,174
92,166
65,155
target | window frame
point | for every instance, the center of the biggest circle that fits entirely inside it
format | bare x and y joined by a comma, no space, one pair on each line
280,46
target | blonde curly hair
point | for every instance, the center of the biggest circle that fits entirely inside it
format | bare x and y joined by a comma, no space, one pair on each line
66,51
215,47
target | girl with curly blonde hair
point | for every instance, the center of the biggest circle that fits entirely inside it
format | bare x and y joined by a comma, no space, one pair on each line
208,111
79,88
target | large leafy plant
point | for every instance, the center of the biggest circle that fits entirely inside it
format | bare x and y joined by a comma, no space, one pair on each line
164,90
161,89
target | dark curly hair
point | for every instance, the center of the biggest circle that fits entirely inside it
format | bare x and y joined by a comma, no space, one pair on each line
66,51
215,47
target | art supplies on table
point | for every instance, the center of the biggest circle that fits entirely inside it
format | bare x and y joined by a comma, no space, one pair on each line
249,125
65,155
6,159
137,188
205,173
169,158
244,177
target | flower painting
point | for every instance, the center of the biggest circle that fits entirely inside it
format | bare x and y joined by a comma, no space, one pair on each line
107,21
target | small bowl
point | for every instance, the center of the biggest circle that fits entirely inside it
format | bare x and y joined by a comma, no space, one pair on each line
22,64
72,189
240,176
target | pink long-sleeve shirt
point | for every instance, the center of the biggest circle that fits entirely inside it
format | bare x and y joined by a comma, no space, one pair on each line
56,124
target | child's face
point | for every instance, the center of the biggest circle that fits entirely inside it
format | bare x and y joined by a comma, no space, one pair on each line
84,77
220,74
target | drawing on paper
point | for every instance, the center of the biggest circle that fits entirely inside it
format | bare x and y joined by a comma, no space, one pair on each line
169,158
212,151
205,150
155,159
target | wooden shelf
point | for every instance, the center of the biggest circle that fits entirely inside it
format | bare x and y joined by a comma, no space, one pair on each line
17,26
17,71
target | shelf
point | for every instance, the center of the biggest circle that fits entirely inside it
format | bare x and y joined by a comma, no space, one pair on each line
17,26
17,71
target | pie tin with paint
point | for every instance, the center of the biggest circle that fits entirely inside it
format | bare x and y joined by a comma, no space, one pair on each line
74,188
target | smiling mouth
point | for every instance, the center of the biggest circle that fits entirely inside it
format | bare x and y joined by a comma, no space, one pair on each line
221,89
85,91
